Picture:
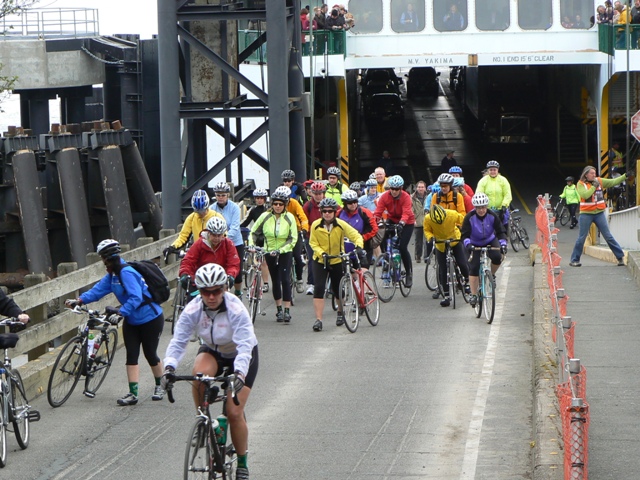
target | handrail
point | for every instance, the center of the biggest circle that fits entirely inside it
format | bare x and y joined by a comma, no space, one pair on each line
325,42
50,22
611,37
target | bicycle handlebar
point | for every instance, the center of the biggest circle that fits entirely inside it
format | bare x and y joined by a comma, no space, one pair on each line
94,315
199,377
12,322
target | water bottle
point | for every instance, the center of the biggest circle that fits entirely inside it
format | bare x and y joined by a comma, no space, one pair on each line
96,347
395,255
223,422
90,342
216,428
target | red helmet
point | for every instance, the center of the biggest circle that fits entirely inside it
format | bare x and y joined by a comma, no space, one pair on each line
318,187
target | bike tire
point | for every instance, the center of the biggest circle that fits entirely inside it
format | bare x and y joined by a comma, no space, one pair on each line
513,238
254,297
524,237
66,371
3,434
382,273
371,300
452,282
101,364
489,297
460,284
564,216
292,282
404,290
431,272
19,410
350,308
478,307
198,457
178,306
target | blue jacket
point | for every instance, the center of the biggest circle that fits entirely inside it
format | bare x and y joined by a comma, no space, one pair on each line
231,214
131,291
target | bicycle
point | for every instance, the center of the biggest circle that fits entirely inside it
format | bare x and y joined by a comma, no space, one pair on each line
14,406
387,269
455,280
83,356
295,288
208,455
255,291
358,293
431,271
562,214
517,233
180,297
486,301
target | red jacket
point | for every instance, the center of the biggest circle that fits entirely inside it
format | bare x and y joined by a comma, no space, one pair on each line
399,209
312,211
201,253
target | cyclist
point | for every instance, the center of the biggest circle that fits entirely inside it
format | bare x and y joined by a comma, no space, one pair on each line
297,189
223,323
399,209
498,189
302,225
447,197
231,213
260,197
143,319
9,308
356,187
439,225
327,238
572,199
278,228
359,218
456,172
195,222
459,188
370,198
334,185
211,247
312,211
482,227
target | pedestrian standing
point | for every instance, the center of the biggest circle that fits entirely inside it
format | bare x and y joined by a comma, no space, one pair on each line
417,200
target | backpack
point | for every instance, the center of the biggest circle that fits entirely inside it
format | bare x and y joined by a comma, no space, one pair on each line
156,281
454,199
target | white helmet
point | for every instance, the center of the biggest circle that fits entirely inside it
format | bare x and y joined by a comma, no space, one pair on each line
480,200
108,248
281,193
349,196
217,225
445,178
210,275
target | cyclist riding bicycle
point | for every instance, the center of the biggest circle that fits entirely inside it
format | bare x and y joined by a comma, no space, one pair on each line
482,227
195,222
334,186
440,225
224,325
327,238
360,219
211,247
298,192
312,211
498,189
278,228
143,319
260,197
447,197
398,205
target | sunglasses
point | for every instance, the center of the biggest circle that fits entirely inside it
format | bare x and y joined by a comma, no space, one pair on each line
206,292
287,181
278,204
328,211
395,189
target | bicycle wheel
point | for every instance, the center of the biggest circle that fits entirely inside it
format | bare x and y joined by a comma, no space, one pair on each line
524,237
431,272
66,371
3,434
292,282
564,216
451,275
404,290
460,284
254,296
349,304
198,458
382,272
480,296
178,306
489,300
19,410
371,300
513,237
101,364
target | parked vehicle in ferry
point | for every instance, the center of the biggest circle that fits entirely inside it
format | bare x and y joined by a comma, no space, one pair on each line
379,78
423,82
384,108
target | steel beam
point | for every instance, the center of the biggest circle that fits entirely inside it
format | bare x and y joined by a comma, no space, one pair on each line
249,152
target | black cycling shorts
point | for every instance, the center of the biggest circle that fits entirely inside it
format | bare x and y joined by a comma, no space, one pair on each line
228,362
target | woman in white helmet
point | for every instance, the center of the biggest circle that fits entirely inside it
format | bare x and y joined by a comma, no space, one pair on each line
224,325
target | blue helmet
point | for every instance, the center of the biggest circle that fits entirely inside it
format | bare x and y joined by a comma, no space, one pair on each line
372,182
455,169
435,188
458,182
200,200
396,182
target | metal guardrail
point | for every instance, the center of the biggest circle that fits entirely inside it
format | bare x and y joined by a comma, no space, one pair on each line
324,42
625,227
50,22
612,37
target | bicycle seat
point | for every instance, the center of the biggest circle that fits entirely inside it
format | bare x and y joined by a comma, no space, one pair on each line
8,340
517,218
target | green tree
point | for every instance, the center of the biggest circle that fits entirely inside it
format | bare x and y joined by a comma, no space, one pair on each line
10,7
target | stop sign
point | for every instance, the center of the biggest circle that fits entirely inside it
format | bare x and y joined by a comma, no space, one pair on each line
635,126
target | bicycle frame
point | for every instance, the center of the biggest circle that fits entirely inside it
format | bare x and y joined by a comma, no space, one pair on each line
255,289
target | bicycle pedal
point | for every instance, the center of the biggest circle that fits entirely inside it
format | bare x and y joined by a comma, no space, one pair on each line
33,415
89,394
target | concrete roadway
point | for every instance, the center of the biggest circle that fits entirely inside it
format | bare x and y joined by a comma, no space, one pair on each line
430,392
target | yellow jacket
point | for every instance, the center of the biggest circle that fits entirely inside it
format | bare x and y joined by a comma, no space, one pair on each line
193,225
296,210
332,242
446,231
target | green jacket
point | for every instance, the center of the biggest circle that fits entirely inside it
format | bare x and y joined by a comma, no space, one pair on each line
591,205
279,234
497,189
570,194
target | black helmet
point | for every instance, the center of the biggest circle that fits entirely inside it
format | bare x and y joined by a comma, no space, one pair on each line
569,179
